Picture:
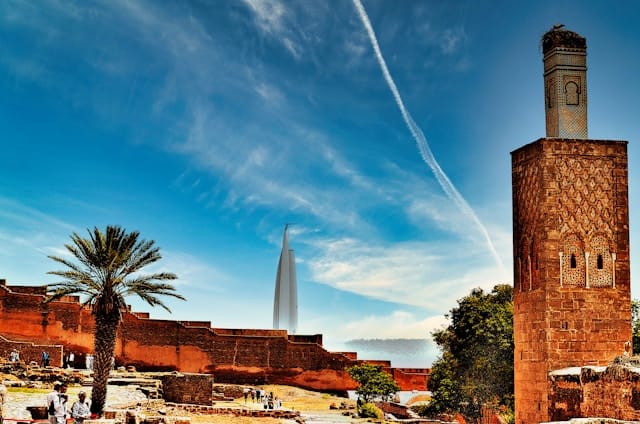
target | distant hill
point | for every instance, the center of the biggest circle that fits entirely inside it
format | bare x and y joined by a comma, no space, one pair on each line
404,353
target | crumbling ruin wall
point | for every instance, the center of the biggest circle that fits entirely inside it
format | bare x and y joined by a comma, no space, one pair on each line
188,388
231,355
411,378
612,391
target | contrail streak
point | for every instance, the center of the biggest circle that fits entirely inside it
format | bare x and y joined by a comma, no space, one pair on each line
421,140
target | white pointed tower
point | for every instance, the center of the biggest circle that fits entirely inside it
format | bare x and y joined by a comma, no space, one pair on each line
285,302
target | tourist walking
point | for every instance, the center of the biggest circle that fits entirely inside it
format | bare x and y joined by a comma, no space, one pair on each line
57,404
80,410
44,356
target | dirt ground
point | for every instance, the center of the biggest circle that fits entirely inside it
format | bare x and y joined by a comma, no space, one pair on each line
305,401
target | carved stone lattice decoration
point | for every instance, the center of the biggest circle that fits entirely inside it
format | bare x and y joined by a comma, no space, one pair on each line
527,217
586,199
600,263
573,262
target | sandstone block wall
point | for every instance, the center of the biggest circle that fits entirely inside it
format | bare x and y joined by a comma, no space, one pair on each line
188,388
612,392
231,355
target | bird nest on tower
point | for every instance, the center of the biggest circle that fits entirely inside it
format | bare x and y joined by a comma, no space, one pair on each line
560,37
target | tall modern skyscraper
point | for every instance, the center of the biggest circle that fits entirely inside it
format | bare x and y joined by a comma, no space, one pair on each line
285,302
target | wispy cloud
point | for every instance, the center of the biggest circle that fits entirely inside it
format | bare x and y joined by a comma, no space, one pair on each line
399,324
421,140
27,216
423,274
451,39
448,40
272,18
193,272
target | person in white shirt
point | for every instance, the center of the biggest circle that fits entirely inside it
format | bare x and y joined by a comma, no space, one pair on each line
57,404
80,410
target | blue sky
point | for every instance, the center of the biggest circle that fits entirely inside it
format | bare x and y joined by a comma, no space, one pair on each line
209,125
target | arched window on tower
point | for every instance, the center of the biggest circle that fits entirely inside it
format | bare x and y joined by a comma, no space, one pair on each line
574,270
601,265
572,93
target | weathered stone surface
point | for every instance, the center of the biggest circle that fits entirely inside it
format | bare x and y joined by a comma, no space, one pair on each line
241,356
571,262
612,391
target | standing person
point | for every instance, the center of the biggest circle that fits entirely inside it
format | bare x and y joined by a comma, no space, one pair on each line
45,358
3,397
80,410
71,362
57,404
89,362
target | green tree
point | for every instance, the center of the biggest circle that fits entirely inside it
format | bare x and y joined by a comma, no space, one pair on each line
372,382
476,365
103,269
635,325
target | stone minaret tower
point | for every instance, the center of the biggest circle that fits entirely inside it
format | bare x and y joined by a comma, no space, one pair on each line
570,237
565,83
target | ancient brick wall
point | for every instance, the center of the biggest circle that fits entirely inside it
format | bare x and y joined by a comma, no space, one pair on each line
397,410
31,352
231,355
188,388
411,378
571,262
612,392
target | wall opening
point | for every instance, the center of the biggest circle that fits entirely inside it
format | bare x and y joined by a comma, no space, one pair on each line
600,263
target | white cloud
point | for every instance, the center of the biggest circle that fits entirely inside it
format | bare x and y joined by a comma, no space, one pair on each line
451,39
428,274
399,324
192,272
273,19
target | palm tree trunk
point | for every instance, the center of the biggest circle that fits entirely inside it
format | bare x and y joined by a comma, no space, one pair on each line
104,345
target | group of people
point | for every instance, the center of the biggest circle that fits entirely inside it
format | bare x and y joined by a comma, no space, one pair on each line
69,360
261,396
57,406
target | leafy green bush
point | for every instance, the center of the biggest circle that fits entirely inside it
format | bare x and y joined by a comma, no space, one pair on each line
369,410
422,410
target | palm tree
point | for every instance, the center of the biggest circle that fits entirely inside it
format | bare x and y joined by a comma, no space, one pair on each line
105,268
